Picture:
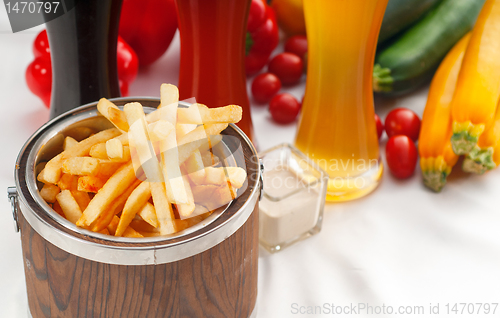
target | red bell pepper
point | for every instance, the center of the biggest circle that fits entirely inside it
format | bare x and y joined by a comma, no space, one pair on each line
39,72
148,26
262,36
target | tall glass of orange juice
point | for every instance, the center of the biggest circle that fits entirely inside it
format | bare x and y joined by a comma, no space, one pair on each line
337,127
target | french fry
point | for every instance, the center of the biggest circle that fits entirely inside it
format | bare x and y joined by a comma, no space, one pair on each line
80,133
195,167
49,192
184,129
113,114
209,159
203,194
99,151
197,138
113,224
82,166
104,231
129,232
202,133
236,176
82,198
186,223
142,226
57,207
133,205
69,206
212,142
200,114
214,176
41,177
149,234
69,142
164,211
224,194
169,95
139,140
114,149
123,138
172,176
116,207
107,169
200,209
52,171
160,130
148,214
185,209
114,187
126,155
90,184
68,182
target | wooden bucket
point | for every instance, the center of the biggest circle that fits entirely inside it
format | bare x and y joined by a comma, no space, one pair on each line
208,270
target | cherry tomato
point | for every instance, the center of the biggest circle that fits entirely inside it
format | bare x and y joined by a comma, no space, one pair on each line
265,86
127,61
39,78
284,108
148,27
255,62
380,126
123,88
297,45
402,121
287,66
266,37
401,155
261,38
257,15
41,44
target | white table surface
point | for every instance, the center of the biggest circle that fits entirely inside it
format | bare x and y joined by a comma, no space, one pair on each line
402,245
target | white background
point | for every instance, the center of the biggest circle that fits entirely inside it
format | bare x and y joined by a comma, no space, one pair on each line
400,246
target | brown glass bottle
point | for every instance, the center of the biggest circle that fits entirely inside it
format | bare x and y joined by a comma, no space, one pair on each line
83,52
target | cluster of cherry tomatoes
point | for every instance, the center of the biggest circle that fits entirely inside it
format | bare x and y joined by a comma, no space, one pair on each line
402,127
284,69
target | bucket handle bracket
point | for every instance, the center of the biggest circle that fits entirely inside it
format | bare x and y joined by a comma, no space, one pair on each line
261,163
12,194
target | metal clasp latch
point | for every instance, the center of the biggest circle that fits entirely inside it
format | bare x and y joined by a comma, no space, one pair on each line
261,179
12,194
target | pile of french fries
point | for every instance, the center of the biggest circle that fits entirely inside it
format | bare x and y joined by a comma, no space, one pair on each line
151,175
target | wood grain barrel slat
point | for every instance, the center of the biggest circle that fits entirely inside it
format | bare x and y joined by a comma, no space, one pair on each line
220,282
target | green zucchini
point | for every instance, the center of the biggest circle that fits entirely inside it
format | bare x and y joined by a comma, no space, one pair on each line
400,14
413,57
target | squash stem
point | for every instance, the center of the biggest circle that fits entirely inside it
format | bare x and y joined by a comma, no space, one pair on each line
382,79
435,180
465,137
435,170
479,160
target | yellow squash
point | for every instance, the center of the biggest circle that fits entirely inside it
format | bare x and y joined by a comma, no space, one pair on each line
486,154
478,85
436,154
